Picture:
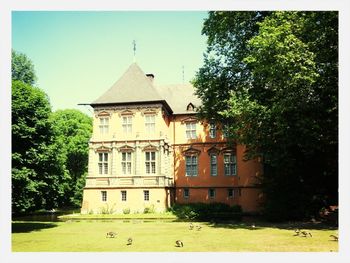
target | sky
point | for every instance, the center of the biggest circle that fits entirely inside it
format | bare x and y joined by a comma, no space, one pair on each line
77,56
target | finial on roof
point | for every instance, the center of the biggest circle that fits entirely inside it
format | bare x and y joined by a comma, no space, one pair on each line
134,44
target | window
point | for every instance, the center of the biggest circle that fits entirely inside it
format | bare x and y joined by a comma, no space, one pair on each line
150,162
211,193
186,193
191,130
126,162
213,165
225,130
127,124
150,123
230,193
191,165
123,195
104,125
230,164
103,163
104,196
212,130
146,195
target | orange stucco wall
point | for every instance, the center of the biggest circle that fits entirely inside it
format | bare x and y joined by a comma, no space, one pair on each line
244,193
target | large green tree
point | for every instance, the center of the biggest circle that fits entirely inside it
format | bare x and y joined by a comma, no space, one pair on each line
37,173
273,77
73,131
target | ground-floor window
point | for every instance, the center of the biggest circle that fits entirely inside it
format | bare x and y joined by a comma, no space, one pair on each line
186,193
230,193
146,195
104,196
212,193
123,195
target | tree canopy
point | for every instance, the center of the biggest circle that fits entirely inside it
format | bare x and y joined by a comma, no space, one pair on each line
49,150
36,168
22,68
273,77
73,131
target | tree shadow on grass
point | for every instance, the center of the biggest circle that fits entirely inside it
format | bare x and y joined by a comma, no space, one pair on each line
261,225
26,227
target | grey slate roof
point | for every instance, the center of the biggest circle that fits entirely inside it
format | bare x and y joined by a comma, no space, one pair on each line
179,96
135,87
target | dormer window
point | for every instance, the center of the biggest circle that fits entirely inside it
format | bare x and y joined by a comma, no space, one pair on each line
190,107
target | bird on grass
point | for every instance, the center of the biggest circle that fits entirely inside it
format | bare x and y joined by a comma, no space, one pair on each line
111,234
306,234
253,226
335,238
190,226
129,241
179,243
198,228
297,232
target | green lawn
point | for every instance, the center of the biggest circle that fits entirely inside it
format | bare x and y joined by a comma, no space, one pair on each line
160,235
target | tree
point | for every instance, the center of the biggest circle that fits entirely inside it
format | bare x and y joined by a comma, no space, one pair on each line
22,68
36,166
273,78
73,131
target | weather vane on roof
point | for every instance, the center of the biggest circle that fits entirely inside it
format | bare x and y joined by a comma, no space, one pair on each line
134,44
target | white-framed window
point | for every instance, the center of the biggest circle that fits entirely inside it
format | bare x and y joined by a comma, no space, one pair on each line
211,193
103,163
146,195
186,193
123,195
150,123
191,132
212,130
150,162
213,164
230,193
127,124
191,165
230,164
104,125
104,196
126,162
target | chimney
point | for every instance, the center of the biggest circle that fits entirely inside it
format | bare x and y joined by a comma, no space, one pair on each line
150,76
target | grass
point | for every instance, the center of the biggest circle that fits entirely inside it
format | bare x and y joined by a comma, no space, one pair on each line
160,236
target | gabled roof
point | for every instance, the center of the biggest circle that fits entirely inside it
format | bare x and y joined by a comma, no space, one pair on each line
133,86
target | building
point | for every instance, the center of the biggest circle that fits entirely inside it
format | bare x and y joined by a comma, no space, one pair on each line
149,150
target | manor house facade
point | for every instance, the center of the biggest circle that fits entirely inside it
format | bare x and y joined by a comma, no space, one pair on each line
149,150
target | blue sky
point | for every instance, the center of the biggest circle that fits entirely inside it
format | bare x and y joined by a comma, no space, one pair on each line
78,55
